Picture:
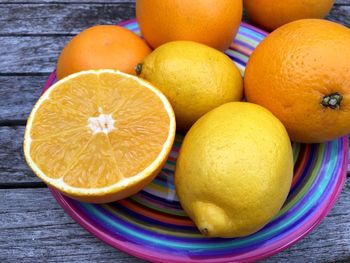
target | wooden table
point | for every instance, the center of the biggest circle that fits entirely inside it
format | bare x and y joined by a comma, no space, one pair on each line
33,228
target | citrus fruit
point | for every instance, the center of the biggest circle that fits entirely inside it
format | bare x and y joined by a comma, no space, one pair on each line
194,77
214,23
102,47
232,176
99,136
300,72
271,14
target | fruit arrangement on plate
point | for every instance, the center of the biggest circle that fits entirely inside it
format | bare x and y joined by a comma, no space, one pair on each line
178,110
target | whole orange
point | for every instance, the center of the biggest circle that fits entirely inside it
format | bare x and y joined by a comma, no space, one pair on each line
271,14
300,72
102,47
210,22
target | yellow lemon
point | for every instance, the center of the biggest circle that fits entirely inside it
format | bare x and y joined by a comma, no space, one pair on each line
194,77
234,170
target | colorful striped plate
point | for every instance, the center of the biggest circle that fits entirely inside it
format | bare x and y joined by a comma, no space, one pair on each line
151,225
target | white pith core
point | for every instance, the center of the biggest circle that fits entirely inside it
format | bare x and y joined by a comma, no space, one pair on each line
102,123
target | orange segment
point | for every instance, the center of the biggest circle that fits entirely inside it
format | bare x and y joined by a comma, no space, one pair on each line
67,107
74,94
136,148
110,94
99,136
95,167
54,155
53,119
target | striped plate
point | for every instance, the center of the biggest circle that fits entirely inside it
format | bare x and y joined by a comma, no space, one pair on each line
151,225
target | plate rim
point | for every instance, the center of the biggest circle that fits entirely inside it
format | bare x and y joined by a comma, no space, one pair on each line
125,246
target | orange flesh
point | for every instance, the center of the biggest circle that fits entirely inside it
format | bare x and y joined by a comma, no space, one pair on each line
96,130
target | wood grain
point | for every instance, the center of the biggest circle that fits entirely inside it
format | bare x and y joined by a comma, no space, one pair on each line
342,2
18,95
60,19
13,168
35,229
70,19
78,2
340,14
30,54
337,2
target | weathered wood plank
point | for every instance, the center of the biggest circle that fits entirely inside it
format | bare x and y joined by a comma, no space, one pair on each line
38,54
340,14
71,1
68,19
60,19
343,2
13,168
18,95
30,54
34,228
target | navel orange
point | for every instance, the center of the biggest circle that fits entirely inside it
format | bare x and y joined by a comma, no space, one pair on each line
102,47
300,72
210,22
271,14
99,136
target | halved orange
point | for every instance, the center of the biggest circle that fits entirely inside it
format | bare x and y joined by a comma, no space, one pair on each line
99,136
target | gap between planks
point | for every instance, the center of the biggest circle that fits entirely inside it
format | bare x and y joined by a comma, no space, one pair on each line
26,185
